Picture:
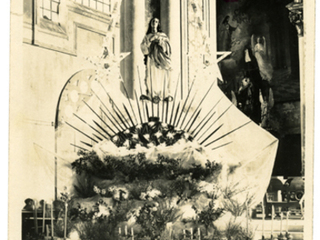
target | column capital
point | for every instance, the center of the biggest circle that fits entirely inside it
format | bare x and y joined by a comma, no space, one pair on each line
296,15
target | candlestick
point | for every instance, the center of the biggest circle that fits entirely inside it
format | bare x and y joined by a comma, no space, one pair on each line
126,230
281,223
52,219
65,220
132,233
43,216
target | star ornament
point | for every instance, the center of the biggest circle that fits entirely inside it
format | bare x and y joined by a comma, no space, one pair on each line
170,135
220,57
158,134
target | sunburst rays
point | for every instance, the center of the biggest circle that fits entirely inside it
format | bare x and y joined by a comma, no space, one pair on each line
112,116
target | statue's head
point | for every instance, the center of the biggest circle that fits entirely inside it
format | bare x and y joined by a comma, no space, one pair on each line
226,20
154,23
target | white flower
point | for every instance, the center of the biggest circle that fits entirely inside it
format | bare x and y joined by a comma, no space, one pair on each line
103,192
139,126
209,188
143,196
127,131
96,189
154,193
111,189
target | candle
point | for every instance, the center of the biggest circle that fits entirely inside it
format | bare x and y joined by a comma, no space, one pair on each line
247,217
191,233
51,219
132,233
263,216
35,217
65,220
272,216
199,233
281,223
184,233
126,230
119,230
47,230
43,216
287,221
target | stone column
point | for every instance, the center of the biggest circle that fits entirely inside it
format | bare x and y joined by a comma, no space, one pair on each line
132,31
171,25
296,18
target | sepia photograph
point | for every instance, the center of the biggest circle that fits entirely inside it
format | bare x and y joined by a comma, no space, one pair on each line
161,119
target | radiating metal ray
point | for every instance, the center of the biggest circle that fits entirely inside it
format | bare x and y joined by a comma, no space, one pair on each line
163,96
138,105
204,97
88,144
175,117
118,112
211,134
185,101
228,133
196,134
104,113
187,112
128,114
105,131
205,116
147,111
99,117
113,104
221,145
107,110
151,92
100,139
92,139
174,99
82,148
89,125
195,118
144,111
217,119
129,102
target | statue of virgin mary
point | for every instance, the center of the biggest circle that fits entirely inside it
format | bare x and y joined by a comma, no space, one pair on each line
157,50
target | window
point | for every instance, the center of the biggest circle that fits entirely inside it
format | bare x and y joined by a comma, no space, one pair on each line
50,9
100,5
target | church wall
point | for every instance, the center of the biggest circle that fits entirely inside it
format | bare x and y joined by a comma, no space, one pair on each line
49,53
